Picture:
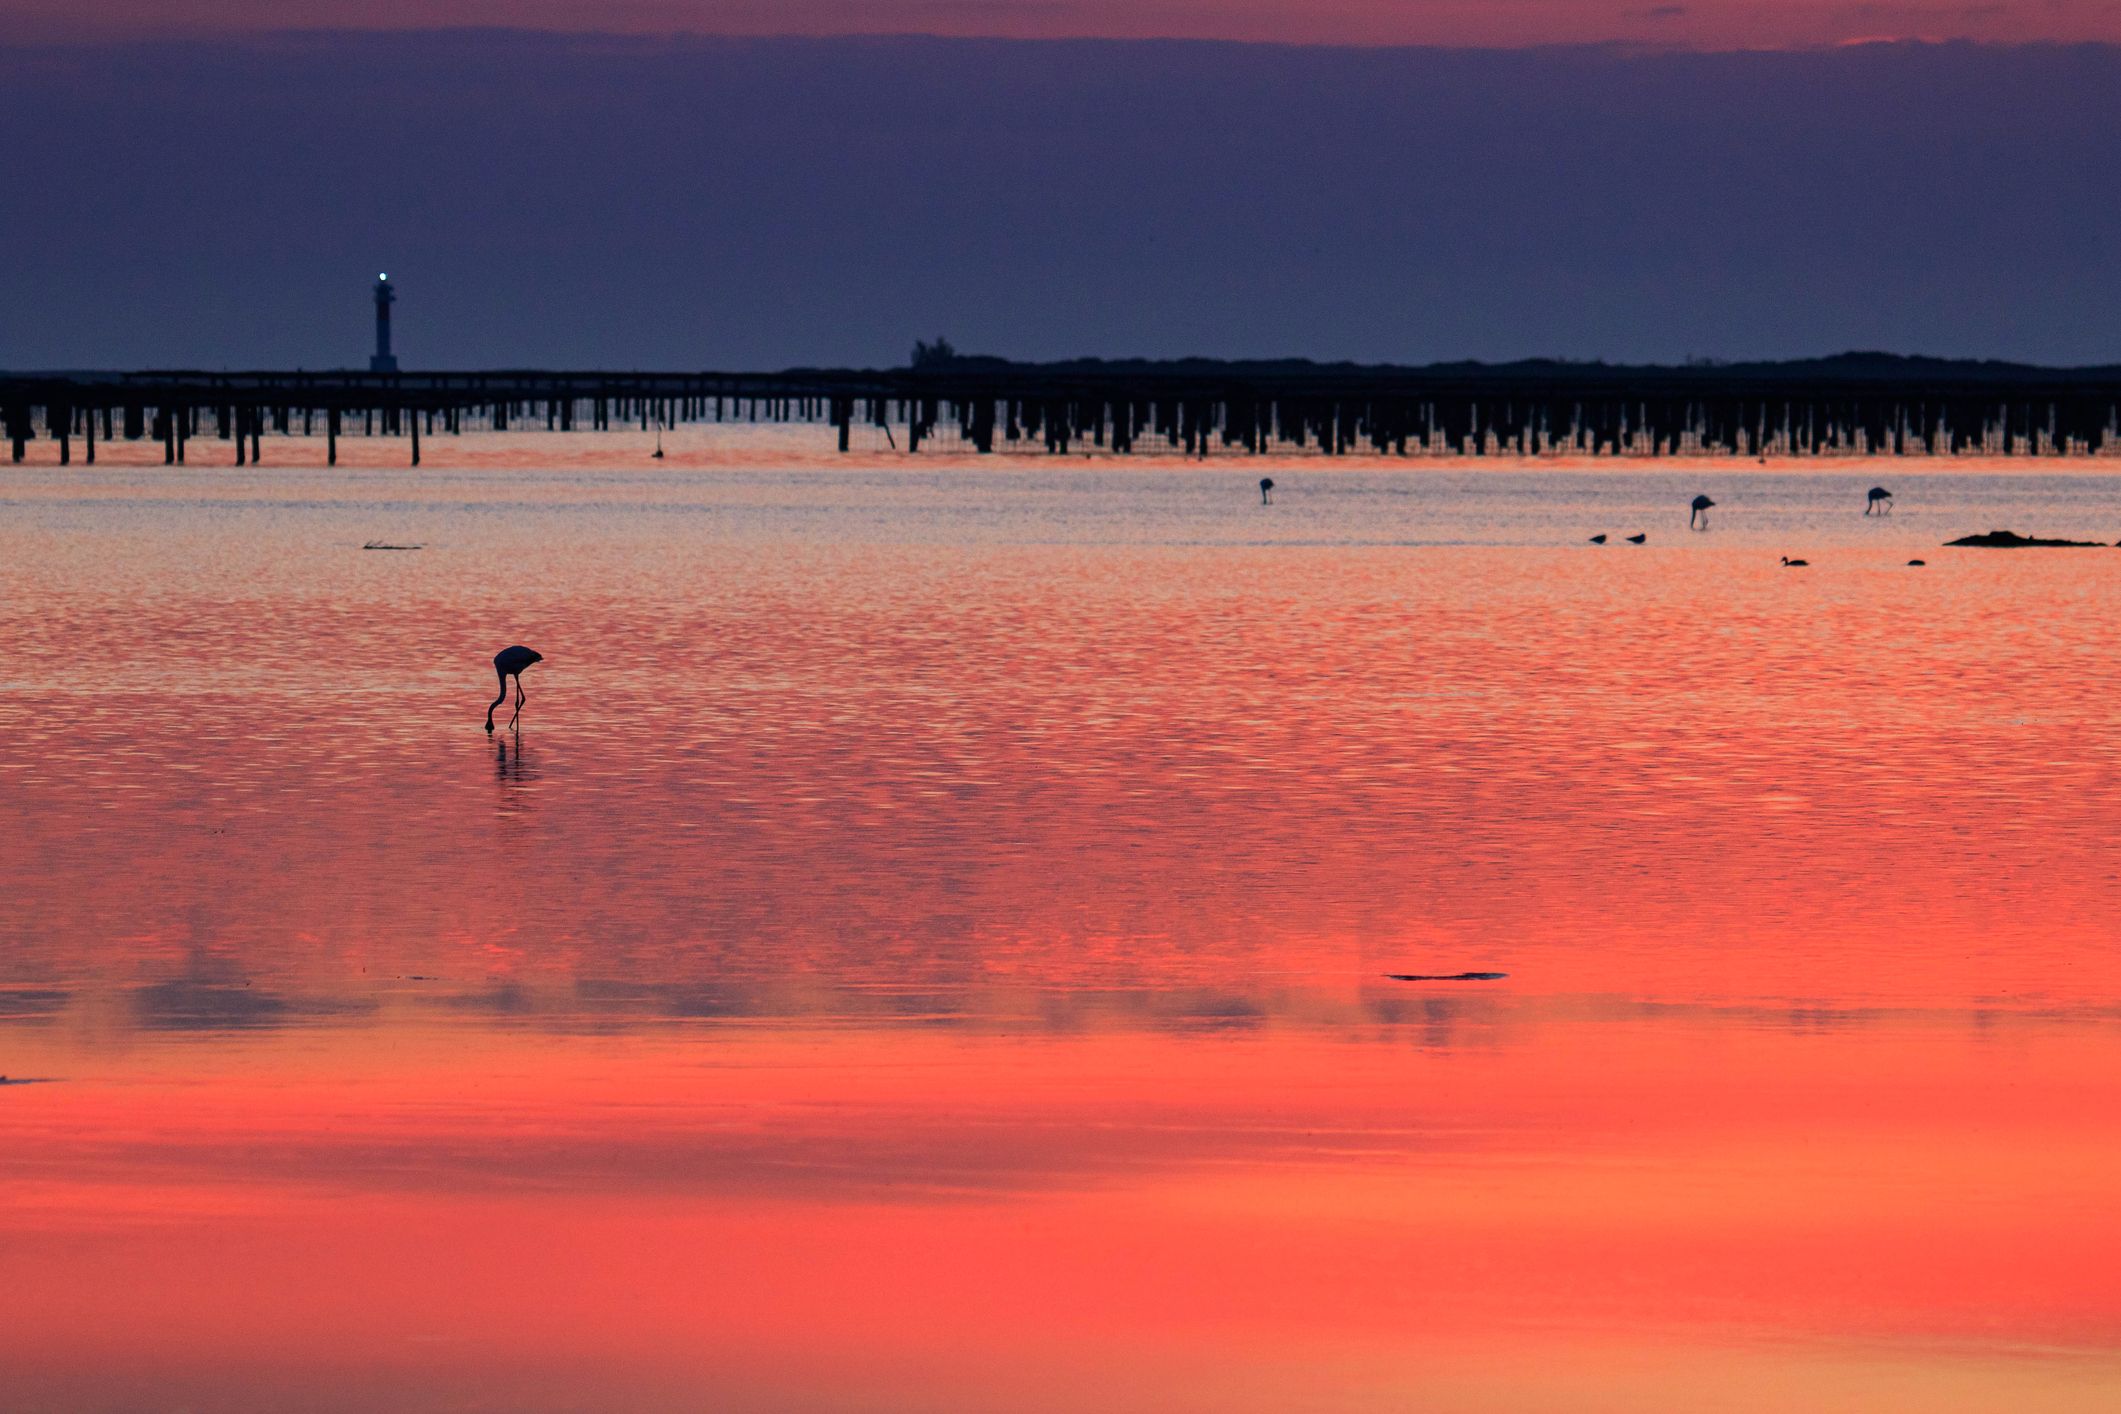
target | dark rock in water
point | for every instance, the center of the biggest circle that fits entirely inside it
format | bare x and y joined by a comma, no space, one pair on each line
2011,540
1446,977
379,545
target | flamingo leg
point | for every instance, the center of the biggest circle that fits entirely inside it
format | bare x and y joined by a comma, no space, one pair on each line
520,699
497,701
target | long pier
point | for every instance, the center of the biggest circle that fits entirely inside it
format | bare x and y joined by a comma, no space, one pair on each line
1851,405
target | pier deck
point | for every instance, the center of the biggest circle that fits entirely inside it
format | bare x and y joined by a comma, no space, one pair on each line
1853,405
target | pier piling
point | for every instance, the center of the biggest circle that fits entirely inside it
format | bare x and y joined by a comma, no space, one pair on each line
1190,410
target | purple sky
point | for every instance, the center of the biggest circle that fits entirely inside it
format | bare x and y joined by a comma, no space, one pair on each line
739,203
1713,24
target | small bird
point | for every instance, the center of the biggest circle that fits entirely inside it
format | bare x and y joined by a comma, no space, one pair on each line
1913,563
1638,539
1790,564
1598,540
1699,520
510,663
1878,501
1266,490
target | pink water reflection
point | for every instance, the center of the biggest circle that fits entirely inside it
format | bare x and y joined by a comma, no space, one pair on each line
925,945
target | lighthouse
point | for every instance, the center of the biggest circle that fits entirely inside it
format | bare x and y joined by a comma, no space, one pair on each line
384,361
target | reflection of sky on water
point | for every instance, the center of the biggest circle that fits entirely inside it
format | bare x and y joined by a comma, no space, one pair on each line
942,735
952,906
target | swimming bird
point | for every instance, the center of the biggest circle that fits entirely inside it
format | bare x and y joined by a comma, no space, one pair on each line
1699,520
1790,564
1598,540
1913,563
510,663
1638,539
1878,500
1266,490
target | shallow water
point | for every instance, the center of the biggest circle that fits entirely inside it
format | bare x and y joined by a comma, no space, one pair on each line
926,944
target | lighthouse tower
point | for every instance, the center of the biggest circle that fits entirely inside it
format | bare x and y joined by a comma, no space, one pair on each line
384,361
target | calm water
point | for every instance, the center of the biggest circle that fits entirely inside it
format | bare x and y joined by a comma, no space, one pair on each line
926,946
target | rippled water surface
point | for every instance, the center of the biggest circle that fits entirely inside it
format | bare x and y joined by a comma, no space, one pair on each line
927,944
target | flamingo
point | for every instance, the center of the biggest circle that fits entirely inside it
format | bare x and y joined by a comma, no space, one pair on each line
1266,490
1790,564
509,663
1699,520
1878,501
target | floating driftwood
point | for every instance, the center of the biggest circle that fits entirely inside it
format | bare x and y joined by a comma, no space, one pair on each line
2012,540
379,545
1446,977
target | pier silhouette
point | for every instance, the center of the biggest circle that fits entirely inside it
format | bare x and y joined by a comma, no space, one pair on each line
1852,405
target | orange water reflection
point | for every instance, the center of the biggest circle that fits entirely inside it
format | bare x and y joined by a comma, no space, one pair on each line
925,947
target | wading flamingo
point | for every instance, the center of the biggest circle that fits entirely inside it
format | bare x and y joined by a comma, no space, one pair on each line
509,663
1266,490
1699,520
1878,501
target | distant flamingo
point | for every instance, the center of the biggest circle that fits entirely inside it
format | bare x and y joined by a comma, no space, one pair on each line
1266,490
1878,501
509,663
1699,520
1790,564
1638,539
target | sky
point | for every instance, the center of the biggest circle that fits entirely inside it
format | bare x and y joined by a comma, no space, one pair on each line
1710,24
225,199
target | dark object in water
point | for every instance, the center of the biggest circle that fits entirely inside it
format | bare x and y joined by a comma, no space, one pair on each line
1790,564
510,663
1446,977
1638,539
1266,490
1598,540
2011,540
380,545
1917,562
